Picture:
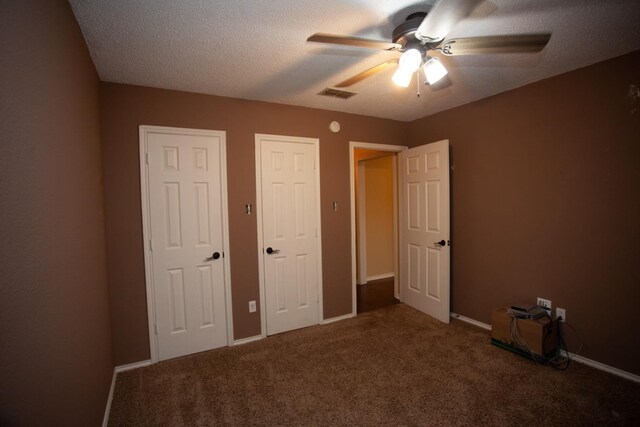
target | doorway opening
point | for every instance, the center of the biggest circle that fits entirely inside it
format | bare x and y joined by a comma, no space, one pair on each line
374,225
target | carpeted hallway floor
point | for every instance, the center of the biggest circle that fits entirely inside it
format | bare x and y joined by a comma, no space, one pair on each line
393,366
374,295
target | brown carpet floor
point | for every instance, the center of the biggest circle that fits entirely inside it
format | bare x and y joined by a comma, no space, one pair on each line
393,366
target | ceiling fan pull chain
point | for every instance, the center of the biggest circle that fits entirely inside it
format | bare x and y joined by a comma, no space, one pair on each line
418,81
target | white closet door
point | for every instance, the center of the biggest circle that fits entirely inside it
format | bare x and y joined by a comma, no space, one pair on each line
185,211
289,232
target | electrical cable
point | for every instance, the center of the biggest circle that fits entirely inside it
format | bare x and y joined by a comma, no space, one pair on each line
520,343
575,331
557,362
563,344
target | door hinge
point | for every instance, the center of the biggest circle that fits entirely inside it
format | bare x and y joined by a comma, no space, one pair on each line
222,254
316,231
155,328
150,245
146,158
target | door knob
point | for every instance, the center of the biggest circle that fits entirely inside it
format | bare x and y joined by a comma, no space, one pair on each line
440,243
270,250
215,255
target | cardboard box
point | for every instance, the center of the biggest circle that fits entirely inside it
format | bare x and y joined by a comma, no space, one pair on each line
541,335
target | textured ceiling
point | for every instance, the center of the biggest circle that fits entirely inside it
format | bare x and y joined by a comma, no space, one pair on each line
258,50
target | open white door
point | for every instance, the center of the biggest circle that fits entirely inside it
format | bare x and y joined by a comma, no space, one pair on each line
289,231
425,228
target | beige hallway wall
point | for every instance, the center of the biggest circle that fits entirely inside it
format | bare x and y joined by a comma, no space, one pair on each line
379,215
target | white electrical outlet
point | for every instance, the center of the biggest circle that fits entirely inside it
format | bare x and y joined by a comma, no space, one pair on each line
561,312
252,306
546,304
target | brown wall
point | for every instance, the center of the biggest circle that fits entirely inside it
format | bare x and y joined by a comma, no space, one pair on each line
124,108
55,338
546,203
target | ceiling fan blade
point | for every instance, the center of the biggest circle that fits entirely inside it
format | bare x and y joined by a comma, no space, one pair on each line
367,73
353,41
442,17
522,43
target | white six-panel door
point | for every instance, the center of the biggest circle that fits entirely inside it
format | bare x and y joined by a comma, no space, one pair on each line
289,221
424,228
185,196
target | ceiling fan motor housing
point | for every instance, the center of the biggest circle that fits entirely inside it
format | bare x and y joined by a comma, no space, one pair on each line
404,34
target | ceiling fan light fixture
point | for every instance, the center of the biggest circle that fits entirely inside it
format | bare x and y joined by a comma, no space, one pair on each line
434,70
410,61
401,77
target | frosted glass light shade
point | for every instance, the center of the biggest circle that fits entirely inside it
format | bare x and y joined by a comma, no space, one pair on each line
434,70
401,77
410,61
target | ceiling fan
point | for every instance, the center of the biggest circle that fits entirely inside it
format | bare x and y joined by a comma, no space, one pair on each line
422,33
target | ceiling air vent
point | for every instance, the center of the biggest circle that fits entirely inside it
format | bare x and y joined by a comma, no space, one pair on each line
342,94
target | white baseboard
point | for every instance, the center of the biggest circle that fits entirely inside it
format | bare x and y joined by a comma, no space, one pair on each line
337,319
471,321
380,276
117,370
602,366
574,357
130,366
248,340
105,419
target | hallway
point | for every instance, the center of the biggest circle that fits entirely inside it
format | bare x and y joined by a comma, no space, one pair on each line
375,294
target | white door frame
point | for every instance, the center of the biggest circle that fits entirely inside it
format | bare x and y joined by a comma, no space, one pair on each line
259,137
146,226
380,147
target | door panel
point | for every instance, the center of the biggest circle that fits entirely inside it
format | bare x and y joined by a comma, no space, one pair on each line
289,221
186,228
424,221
